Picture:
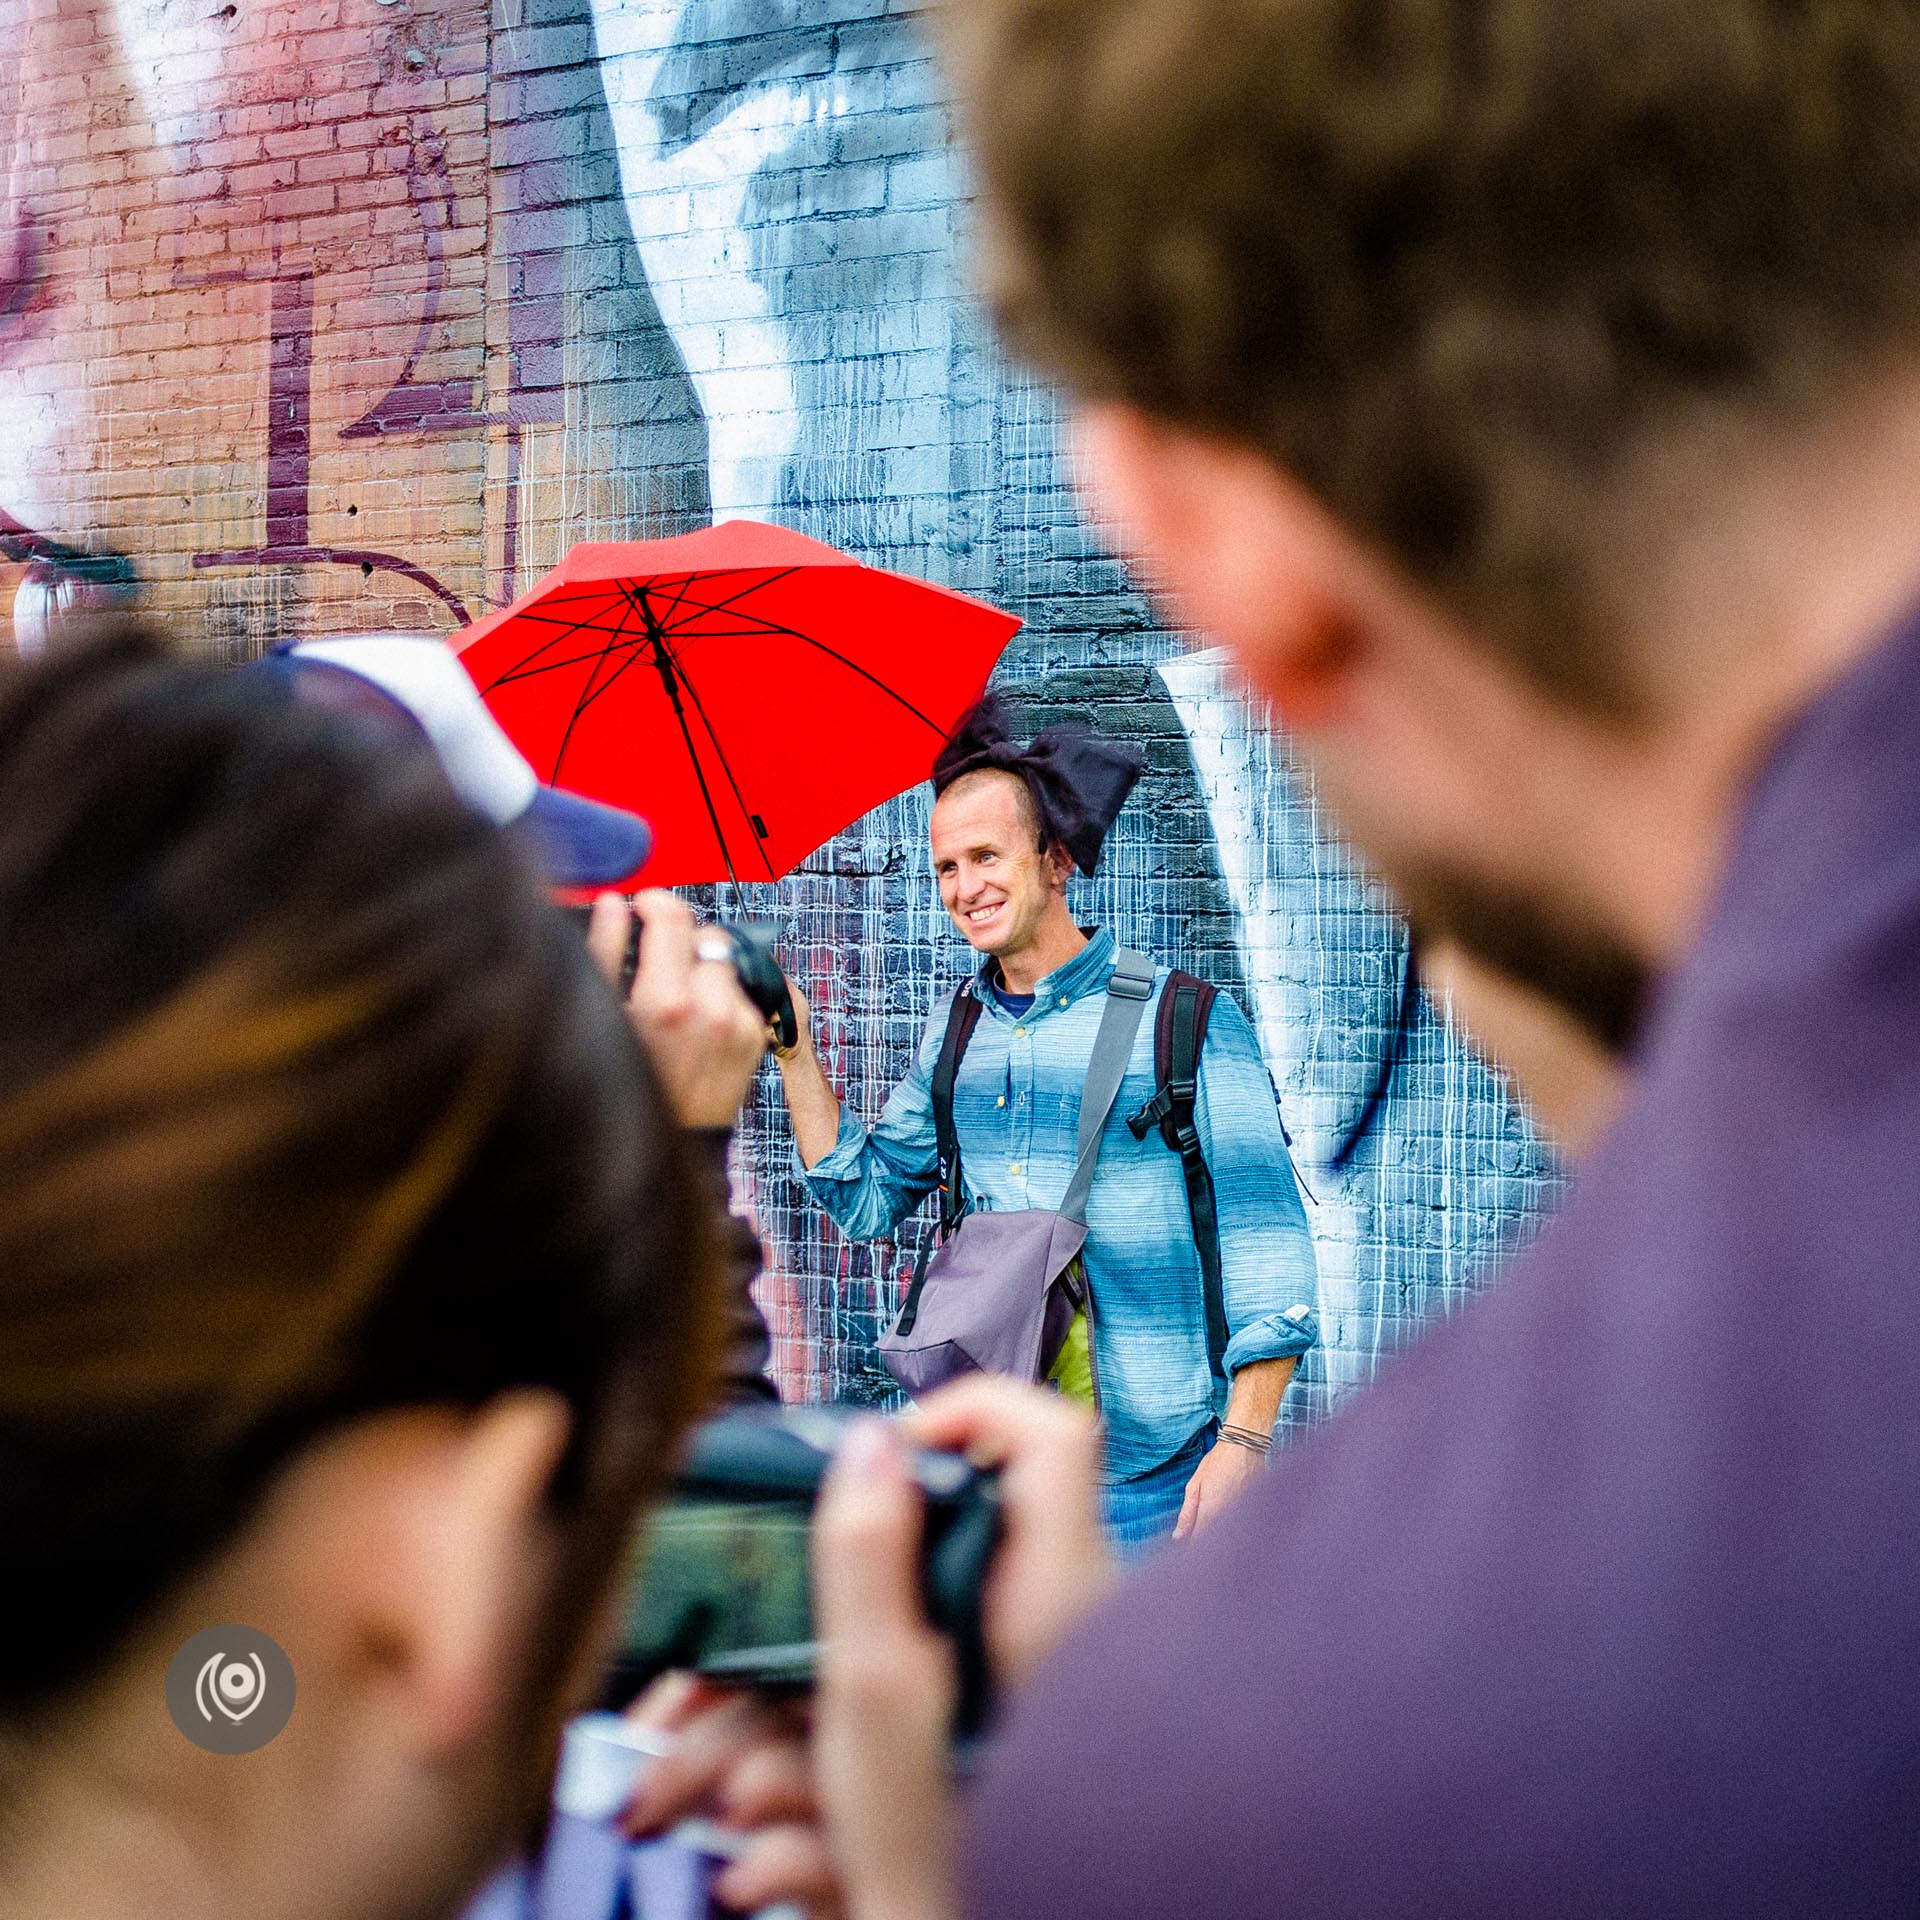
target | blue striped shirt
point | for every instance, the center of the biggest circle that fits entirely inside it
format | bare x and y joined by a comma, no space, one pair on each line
1016,1107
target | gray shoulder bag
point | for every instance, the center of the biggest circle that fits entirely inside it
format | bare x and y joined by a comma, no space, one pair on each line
999,1293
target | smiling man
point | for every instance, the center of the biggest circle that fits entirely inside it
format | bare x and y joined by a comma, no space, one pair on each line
1009,826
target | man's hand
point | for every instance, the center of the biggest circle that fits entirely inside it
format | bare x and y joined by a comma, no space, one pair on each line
704,1036
802,1026
811,1101
1229,1470
859,1820
1220,1479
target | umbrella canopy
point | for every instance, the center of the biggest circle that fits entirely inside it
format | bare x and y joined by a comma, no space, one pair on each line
746,689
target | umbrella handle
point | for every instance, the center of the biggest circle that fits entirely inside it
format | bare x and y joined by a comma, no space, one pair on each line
763,980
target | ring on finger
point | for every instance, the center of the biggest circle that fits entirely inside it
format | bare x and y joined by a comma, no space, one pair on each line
714,946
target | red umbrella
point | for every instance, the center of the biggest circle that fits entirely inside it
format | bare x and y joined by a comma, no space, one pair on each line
746,689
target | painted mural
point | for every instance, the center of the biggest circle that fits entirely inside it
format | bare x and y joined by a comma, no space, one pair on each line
352,315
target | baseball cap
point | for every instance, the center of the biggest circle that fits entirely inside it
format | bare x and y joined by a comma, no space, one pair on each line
578,842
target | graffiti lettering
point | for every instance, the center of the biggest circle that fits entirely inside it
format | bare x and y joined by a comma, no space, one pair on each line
408,406
290,459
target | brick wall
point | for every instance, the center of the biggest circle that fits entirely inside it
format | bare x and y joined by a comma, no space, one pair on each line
354,314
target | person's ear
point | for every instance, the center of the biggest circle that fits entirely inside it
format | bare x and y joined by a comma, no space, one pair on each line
456,1581
1244,553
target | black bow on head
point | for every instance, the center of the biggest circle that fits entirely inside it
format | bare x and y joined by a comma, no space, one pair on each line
1078,780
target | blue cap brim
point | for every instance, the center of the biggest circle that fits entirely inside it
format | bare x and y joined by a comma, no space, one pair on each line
580,843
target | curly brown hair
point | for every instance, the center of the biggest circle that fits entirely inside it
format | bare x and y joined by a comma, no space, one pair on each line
1477,272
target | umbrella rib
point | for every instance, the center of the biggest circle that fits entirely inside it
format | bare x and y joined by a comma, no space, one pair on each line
679,582
681,589
731,604
771,627
853,666
562,628
719,752
732,599
634,656
700,610
581,705
564,625
636,643
583,593
639,606
524,669
521,668
614,593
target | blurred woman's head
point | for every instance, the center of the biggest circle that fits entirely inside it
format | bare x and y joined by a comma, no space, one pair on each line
349,1290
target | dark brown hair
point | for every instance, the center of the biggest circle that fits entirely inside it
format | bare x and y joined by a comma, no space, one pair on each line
310,1106
1469,269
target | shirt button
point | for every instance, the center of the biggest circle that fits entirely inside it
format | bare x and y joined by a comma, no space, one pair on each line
1015,1168
1065,1003
1002,1101
1019,1029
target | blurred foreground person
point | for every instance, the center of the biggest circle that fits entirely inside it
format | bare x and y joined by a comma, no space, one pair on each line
1571,1083
352,1287
701,1034
1529,392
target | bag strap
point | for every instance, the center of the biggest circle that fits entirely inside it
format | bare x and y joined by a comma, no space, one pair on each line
962,1017
1179,1034
1129,987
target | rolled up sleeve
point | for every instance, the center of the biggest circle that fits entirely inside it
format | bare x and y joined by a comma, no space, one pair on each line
1267,1267
871,1178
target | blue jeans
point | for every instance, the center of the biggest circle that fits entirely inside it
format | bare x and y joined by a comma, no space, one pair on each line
1140,1513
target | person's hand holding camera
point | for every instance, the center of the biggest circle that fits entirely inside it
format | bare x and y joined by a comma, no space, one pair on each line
703,1034
887,1683
856,1817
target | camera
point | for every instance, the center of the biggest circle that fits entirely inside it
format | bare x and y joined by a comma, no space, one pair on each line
719,1576
761,978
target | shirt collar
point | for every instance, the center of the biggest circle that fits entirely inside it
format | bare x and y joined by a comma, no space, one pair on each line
1085,973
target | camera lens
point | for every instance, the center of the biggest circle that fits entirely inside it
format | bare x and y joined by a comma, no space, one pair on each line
762,980
760,975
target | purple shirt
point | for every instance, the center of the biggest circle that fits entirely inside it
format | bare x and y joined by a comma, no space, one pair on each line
1606,1599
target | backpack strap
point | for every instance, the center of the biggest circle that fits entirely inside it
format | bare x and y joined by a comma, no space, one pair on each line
1129,988
963,1015
1179,1033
